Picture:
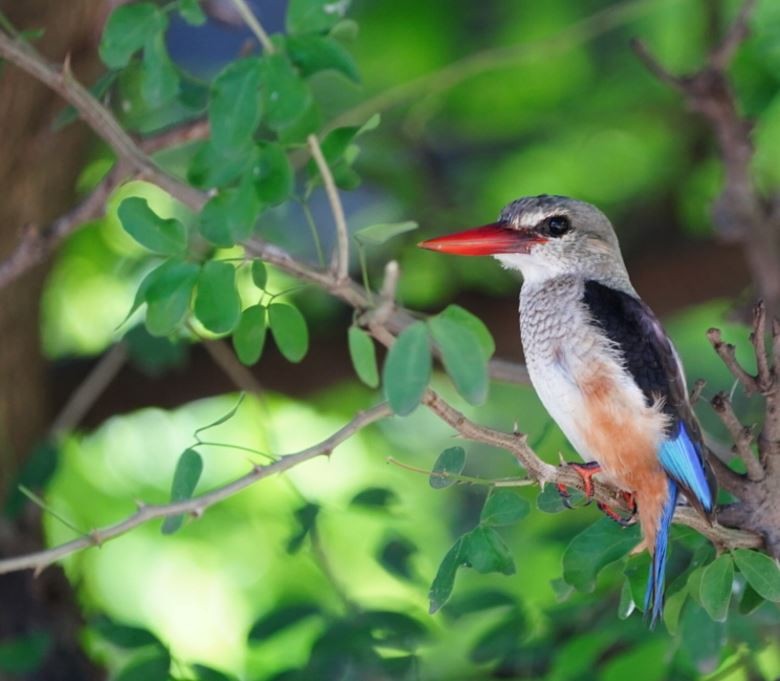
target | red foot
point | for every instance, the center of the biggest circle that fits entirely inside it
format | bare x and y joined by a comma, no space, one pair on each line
610,512
586,471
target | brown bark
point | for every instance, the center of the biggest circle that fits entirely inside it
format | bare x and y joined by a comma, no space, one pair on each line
38,168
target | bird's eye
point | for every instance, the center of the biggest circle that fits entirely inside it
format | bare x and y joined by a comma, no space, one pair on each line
557,225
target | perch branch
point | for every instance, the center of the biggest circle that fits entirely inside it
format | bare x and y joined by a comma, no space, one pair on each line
196,505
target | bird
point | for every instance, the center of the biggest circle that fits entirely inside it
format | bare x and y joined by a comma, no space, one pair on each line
600,361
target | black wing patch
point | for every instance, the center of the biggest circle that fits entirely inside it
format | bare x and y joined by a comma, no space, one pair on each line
646,351
651,360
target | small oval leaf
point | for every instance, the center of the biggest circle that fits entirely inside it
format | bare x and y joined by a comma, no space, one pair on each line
485,551
441,588
185,478
168,292
259,274
217,303
761,572
594,548
375,235
167,237
407,369
449,463
503,507
715,587
235,105
249,335
462,356
363,355
289,330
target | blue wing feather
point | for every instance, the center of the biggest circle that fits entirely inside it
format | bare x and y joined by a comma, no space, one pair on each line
654,596
682,461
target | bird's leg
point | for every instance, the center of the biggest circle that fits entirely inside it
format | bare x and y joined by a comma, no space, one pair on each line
611,513
586,471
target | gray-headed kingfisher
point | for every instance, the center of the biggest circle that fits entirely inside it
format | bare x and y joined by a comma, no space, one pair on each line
600,361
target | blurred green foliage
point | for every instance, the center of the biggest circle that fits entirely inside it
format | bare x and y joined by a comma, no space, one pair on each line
326,573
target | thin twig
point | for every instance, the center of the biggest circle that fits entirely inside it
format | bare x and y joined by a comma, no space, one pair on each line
196,505
254,25
88,392
337,209
758,338
727,353
226,360
741,435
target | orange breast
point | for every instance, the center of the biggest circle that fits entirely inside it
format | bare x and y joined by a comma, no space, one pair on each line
623,434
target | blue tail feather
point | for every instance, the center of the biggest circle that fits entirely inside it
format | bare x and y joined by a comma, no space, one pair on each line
654,596
681,460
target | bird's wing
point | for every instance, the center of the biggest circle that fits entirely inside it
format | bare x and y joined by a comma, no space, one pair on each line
651,359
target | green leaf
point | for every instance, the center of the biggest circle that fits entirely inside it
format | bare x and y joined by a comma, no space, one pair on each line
499,640
598,545
314,16
123,635
229,217
375,497
459,315
363,355
549,500
462,356
285,95
25,654
289,330
213,167
750,600
395,557
280,619
441,588
478,601
306,517
272,174
185,478
249,335
715,587
217,303
127,30
701,638
312,54
376,235
168,292
407,369
309,122
673,608
259,274
167,237
224,418
449,463
191,12
485,551
159,77
235,104
503,507
760,571
390,629
154,667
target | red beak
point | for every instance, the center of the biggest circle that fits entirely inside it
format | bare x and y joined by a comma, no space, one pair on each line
488,240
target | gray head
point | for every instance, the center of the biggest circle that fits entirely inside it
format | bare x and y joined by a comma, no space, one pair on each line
546,237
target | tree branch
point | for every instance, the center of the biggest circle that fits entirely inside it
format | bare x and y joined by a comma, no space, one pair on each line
197,505
740,213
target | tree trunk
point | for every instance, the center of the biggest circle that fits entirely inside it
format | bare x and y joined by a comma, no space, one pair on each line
38,168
